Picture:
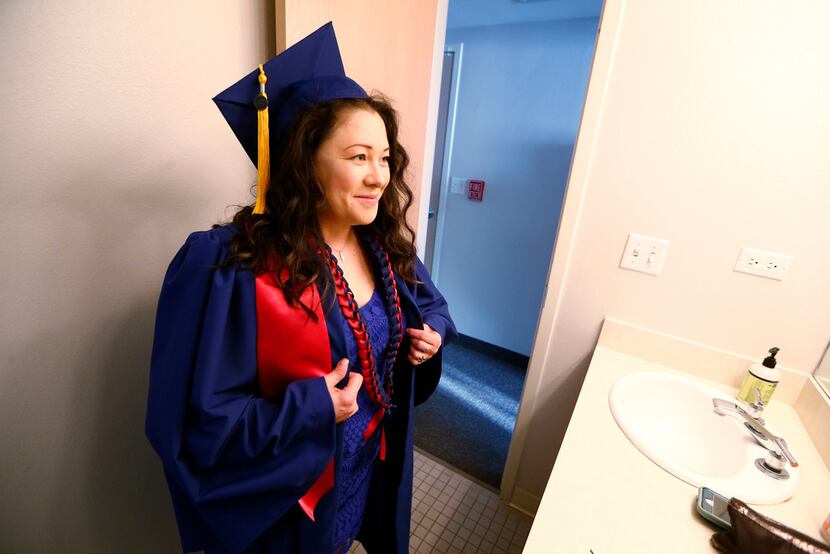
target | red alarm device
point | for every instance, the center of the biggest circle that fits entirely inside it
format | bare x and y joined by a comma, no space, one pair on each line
475,190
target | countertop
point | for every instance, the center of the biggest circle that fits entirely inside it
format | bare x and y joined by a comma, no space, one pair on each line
604,496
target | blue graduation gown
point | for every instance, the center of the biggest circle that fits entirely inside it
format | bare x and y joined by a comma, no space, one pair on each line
236,463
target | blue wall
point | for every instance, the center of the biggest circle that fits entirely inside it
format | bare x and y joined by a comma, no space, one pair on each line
522,87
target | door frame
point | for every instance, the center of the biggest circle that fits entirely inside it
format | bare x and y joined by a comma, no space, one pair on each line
605,46
458,51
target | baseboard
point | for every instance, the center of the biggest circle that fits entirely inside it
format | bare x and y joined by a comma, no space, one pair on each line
492,350
525,502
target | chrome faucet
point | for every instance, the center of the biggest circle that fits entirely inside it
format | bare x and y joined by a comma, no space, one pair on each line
756,408
776,446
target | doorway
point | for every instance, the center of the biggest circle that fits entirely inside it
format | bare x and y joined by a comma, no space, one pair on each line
510,105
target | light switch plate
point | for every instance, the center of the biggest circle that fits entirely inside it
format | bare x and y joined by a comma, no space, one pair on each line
645,254
458,185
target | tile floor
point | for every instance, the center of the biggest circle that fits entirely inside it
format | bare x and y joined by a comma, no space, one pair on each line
451,514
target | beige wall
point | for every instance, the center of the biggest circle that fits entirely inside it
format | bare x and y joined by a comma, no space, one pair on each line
388,47
706,124
112,151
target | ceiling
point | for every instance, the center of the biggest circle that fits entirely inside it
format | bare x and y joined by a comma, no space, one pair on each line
475,13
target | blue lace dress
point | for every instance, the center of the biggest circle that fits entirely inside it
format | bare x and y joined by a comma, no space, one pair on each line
359,456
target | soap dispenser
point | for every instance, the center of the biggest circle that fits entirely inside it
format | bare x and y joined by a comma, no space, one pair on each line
763,377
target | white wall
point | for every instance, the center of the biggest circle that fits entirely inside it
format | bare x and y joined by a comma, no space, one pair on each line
521,91
112,151
706,124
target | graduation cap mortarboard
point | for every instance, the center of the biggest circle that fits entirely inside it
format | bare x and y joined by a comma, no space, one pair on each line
308,73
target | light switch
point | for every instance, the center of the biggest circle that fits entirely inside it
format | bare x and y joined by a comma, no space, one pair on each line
646,254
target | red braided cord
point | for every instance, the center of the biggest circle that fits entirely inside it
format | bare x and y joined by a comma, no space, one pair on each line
351,312
396,318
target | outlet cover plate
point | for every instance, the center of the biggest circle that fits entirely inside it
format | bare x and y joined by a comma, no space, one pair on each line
645,254
771,265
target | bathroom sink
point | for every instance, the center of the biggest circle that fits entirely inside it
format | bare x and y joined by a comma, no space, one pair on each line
670,418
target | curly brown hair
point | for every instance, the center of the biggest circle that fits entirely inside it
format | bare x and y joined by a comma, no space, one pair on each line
288,235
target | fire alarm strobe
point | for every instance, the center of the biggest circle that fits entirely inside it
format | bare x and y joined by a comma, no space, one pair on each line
475,190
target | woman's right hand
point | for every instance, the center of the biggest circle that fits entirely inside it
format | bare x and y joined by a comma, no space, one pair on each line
344,400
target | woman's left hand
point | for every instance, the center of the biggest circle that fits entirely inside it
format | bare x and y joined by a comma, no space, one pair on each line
423,344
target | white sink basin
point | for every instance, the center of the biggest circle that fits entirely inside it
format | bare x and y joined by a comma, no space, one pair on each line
670,419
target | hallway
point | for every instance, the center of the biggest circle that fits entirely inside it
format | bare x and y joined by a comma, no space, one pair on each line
469,419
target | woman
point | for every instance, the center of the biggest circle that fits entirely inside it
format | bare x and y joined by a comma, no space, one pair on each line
292,345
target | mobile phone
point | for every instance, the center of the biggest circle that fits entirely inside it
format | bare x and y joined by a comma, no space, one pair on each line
713,507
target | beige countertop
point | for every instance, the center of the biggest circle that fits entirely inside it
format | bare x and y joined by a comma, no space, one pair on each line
604,496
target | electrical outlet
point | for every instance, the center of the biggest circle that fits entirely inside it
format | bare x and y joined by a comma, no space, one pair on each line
764,264
645,254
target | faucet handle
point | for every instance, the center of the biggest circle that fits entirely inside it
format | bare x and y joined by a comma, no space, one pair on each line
758,400
757,407
782,446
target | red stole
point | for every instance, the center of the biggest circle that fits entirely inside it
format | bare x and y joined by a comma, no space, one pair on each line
291,346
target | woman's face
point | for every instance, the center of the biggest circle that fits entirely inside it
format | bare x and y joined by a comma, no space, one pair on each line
352,167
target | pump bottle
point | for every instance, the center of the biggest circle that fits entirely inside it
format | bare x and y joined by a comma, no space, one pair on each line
764,377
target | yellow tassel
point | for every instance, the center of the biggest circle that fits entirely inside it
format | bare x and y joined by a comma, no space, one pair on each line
263,177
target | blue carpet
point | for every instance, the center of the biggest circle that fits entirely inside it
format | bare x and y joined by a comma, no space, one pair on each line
468,420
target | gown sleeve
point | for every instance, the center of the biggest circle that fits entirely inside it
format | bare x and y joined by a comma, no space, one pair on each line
432,305
235,462
434,312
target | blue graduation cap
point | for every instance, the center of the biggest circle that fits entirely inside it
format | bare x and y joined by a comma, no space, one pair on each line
265,101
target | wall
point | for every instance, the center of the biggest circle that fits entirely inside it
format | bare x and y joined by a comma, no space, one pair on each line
389,47
521,92
705,123
112,152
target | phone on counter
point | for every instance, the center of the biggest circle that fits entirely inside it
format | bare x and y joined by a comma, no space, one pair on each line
713,507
